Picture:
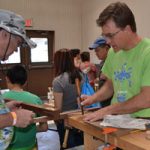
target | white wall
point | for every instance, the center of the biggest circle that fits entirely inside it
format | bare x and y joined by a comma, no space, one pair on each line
62,16
74,21
92,9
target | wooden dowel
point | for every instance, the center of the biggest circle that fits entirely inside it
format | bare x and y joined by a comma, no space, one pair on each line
65,138
77,82
39,109
41,119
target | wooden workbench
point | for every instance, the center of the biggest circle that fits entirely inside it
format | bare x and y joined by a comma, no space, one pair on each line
93,137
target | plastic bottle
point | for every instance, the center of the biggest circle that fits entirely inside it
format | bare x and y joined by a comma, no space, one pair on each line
50,95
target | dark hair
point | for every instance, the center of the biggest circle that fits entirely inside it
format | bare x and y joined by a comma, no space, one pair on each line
120,13
74,52
85,56
107,46
17,75
63,62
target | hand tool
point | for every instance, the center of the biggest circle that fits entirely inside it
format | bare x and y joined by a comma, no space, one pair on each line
77,82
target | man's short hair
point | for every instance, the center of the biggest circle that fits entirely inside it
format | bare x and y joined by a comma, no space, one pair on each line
74,52
17,75
85,56
120,13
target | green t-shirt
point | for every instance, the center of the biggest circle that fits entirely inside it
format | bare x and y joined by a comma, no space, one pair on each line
24,138
6,134
129,72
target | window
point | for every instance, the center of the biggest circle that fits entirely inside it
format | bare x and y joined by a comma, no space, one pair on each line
37,61
41,56
40,53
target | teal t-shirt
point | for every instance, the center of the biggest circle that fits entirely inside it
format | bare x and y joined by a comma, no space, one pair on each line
129,72
6,134
24,138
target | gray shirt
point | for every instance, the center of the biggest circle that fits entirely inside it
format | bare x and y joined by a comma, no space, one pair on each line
61,84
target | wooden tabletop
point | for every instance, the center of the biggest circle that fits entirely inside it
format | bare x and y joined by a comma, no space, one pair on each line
122,138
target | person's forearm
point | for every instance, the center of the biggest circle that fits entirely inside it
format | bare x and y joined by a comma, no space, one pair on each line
136,103
6,120
58,98
105,92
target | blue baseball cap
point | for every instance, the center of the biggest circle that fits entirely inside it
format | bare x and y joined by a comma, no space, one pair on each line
100,41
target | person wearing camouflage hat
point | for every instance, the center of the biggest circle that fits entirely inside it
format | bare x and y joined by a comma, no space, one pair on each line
12,35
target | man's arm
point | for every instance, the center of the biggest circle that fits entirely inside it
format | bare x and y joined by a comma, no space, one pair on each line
23,118
6,120
136,103
105,92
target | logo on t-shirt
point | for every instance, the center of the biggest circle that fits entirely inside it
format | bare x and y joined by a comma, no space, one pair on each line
123,79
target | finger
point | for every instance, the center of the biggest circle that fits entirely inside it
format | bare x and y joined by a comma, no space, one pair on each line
87,118
94,119
82,103
33,115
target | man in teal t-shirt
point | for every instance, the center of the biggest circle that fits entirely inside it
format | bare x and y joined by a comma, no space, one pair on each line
24,138
127,66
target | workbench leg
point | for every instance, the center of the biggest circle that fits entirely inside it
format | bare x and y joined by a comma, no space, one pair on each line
91,143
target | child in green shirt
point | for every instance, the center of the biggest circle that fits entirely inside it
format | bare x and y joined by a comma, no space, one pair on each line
24,138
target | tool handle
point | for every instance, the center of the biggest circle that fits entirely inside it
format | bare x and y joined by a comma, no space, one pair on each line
42,119
77,82
65,138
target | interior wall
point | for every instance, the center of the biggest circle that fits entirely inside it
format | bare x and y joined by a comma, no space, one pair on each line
61,16
92,9
74,21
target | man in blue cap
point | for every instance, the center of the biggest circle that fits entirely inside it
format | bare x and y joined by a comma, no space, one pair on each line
101,49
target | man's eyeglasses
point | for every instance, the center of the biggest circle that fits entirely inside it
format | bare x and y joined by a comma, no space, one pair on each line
110,35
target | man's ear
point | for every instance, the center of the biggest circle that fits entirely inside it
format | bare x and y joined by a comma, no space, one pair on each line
127,28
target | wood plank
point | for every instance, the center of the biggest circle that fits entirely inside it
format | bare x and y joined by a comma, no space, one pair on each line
93,143
52,113
137,141
118,133
124,140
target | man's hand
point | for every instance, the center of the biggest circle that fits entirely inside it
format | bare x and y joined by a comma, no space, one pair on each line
87,100
13,105
97,115
24,117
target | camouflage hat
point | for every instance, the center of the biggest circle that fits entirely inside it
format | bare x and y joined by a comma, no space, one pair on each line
15,24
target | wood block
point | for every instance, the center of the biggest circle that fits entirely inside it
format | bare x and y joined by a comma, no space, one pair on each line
52,113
